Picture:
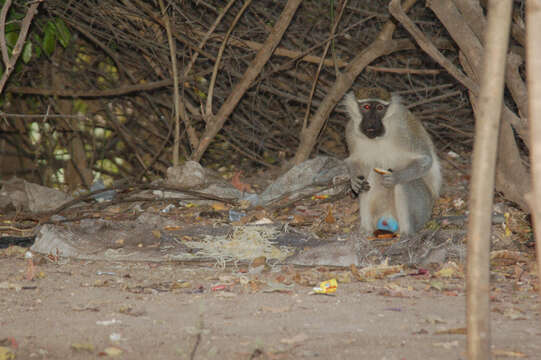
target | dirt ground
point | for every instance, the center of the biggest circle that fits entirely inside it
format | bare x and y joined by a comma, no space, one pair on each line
83,310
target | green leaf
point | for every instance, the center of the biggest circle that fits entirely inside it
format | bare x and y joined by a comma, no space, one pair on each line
11,39
27,52
63,33
49,38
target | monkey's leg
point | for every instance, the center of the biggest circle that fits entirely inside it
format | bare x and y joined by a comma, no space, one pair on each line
365,210
413,205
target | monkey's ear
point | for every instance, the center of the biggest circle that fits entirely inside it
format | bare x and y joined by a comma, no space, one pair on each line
352,107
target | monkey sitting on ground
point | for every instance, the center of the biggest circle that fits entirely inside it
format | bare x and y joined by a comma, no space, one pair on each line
383,134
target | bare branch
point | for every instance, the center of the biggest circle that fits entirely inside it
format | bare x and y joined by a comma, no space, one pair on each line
396,10
25,25
216,123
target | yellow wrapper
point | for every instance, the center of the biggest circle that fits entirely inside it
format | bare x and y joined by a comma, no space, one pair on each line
326,287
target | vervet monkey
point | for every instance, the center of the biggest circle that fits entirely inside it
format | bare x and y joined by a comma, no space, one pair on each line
383,135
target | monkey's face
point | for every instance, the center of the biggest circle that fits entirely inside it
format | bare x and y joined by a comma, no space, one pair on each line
372,115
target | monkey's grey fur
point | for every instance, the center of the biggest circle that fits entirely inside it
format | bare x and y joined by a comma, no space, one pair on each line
408,192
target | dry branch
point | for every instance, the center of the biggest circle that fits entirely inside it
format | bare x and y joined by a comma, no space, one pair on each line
176,94
280,51
216,122
424,43
210,95
263,127
125,90
403,70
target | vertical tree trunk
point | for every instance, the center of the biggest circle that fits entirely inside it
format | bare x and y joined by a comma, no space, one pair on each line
533,63
483,174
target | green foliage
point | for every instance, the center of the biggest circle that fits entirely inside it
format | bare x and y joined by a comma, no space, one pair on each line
49,38
27,52
62,32
55,31
40,39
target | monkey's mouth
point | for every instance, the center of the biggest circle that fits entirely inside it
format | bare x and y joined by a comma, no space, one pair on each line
372,132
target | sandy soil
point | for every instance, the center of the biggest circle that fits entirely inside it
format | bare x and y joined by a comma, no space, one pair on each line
73,310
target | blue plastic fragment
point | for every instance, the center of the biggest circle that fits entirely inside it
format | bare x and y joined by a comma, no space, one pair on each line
387,223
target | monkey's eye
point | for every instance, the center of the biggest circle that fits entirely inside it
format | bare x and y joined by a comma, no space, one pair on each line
379,107
366,106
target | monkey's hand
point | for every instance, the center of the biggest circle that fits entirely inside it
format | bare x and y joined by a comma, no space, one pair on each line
359,185
415,170
389,179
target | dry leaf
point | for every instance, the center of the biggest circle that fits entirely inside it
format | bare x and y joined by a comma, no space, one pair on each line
172,228
238,184
453,331
330,219
219,206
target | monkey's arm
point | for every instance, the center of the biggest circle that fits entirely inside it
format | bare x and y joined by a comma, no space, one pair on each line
358,181
415,170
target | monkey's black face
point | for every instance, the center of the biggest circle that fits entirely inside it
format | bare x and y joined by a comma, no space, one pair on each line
373,113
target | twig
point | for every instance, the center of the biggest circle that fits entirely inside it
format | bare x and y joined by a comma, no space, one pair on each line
425,89
293,54
180,37
3,44
141,187
9,63
422,40
206,36
434,99
216,123
174,70
39,116
125,90
403,70
320,65
210,95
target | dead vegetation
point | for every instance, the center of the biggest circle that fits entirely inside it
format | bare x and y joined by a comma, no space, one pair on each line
240,102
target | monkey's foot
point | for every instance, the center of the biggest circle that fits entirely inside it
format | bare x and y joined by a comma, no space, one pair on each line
359,184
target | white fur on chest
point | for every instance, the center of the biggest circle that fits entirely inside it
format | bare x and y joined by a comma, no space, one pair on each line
381,153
